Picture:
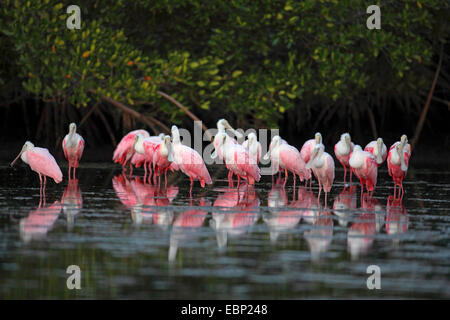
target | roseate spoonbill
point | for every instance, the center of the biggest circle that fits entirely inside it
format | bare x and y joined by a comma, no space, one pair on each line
322,165
307,147
162,157
238,159
73,146
287,157
253,146
343,150
144,148
125,150
365,168
222,125
378,149
189,161
398,160
40,161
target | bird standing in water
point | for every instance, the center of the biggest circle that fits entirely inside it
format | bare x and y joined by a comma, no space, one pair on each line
189,161
365,168
125,149
378,150
253,146
73,146
398,160
343,149
322,165
307,148
40,161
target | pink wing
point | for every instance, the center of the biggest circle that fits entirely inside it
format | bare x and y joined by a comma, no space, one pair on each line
64,148
305,152
292,159
193,165
242,160
125,144
41,161
80,148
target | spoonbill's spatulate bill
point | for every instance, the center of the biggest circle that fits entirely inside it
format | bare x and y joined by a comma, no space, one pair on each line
41,161
378,149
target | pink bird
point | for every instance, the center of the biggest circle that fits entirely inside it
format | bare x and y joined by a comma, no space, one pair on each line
307,148
365,168
238,159
378,150
253,146
40,161
125,150
322,165
162,157
343,150
287,157
189,161
73,146
144,148
398,160
222,125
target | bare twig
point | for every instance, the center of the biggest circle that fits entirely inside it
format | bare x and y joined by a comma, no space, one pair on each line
427,103
184,109
150,121
108,128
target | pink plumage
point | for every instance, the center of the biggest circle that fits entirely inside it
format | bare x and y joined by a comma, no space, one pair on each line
191,164
42,162
364,167
290,159
124,150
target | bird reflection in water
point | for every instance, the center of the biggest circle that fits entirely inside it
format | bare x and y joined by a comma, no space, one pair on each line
344,204
145,201
397,218
362,232
320,235
72,202
236,210
186,225
280,221
39,221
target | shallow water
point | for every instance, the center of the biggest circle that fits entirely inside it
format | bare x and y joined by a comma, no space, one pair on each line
132,241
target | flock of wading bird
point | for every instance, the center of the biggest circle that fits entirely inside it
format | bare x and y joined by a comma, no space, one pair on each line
161,153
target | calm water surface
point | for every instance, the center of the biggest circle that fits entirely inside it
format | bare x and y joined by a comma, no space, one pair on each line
132,240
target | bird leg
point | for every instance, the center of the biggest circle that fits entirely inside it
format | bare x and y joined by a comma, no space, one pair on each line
345,174
320,190
165,179
190,190
285,177
294,180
